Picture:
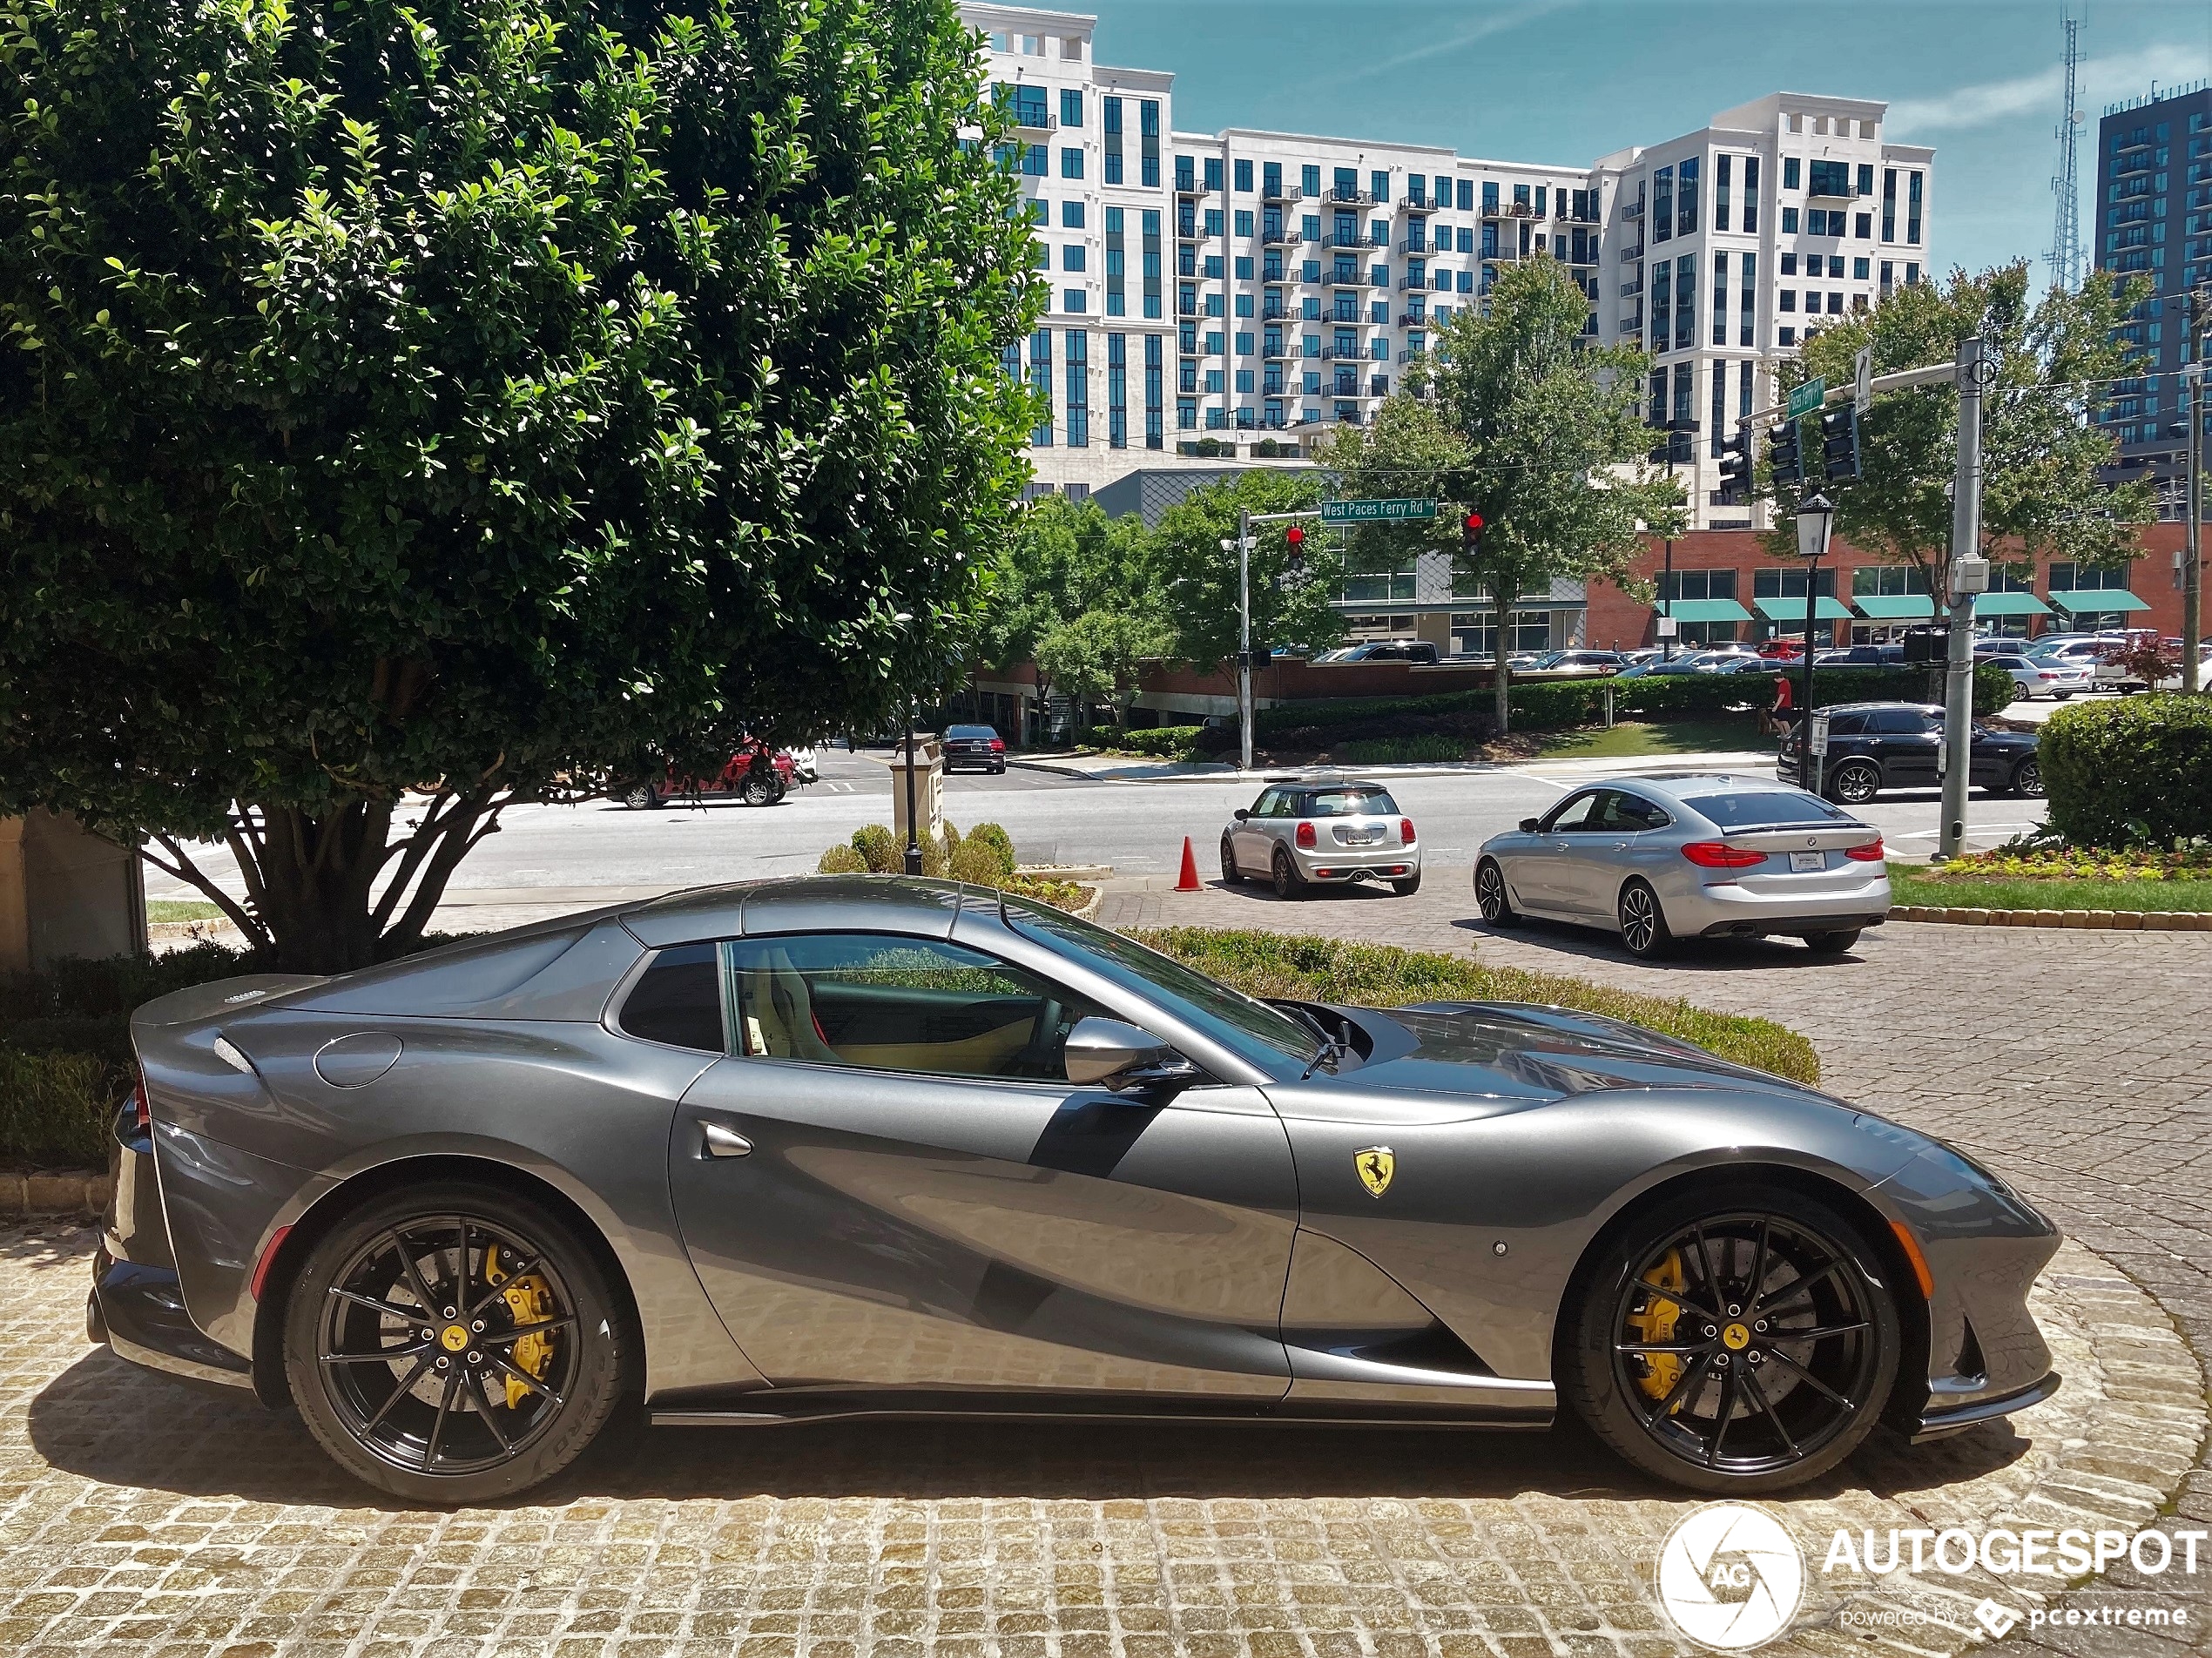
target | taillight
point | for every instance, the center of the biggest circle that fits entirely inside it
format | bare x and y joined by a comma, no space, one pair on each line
1718,854
141,1113
1870,853
1405,831
998,745
1306,838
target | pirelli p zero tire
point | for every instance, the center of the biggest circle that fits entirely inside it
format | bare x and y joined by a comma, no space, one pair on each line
454,1343
1739,1342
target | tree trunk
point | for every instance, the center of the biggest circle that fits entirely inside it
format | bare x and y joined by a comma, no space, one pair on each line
1499,678
332,892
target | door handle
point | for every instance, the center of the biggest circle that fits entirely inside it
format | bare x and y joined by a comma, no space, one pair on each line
718,1142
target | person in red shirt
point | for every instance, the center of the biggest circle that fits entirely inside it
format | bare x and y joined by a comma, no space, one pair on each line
1777,718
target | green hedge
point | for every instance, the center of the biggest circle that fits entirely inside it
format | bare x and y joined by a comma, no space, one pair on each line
2133,772
1162,742
55,1107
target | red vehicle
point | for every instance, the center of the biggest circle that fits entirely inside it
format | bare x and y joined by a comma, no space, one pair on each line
1782,648
754,774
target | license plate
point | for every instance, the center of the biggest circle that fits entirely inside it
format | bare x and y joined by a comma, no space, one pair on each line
1802,862
1361,837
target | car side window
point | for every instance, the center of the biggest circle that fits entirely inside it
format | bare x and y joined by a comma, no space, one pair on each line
677,999
1631,813
1264,806
1897,722
1573,814
1846,725
877,1002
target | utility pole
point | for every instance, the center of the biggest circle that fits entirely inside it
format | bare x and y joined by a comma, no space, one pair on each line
2192,497
1244,640
1969,575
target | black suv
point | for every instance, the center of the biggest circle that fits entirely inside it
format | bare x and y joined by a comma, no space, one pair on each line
1873,746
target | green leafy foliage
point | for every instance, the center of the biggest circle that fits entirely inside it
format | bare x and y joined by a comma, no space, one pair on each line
494,398
2042,451
1533,425
1291,598
1002,846
880,850
1379,975
842,861
55,1107
2133,772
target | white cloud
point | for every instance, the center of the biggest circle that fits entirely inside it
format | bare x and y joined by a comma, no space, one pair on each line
1496,24
2103,80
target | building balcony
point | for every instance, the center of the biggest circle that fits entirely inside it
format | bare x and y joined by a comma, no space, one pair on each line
1278,313
1350,417
1378,386
1279,192
1274,388
1414,353
1632,321
1414,319
1330,353
1343,388
1349,279
1632,209
1359,239
1033,126
1282,236
1186,186
1344,197
1275,351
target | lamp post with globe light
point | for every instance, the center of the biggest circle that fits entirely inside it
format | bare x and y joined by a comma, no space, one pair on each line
1816,521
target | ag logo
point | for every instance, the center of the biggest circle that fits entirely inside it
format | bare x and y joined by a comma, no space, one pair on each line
1376,1165
1730,1577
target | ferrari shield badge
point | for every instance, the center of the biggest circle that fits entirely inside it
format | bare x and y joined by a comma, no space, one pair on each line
1376,1165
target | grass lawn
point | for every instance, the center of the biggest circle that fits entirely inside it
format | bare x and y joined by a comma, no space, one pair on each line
1737,733
1916,884
1381,976
182,909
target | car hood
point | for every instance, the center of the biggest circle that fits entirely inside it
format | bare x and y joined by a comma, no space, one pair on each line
1504,1054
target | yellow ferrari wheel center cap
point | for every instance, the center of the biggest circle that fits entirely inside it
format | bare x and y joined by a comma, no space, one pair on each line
453,1337
1736,1339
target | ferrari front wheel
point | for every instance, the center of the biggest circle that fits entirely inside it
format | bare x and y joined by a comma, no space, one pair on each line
453,1343
1740,1345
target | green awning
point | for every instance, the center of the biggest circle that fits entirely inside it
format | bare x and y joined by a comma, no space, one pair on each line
2011,604
1894,606
1705,610
2097,601
1823,610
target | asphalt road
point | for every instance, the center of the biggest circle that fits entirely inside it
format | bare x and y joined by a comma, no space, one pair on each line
1136,827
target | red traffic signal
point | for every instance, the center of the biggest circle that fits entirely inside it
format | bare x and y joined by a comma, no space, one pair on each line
1471,530
1296,538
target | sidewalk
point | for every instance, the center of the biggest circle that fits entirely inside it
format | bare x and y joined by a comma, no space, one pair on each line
1119,768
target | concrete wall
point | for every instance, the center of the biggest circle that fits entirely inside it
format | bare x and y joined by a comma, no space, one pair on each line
65,890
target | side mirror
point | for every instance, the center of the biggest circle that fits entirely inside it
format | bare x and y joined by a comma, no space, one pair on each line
1241,814
1105,1053
1529,826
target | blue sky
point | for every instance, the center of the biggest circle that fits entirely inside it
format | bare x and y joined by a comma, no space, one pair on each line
1569,80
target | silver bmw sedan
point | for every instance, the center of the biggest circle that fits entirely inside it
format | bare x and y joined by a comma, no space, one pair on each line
1691,855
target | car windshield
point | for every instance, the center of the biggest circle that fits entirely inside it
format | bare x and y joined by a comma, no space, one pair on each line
1351,803
1252,1030
1766,809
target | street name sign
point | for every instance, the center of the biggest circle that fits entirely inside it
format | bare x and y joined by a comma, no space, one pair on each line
1375,512
1807,397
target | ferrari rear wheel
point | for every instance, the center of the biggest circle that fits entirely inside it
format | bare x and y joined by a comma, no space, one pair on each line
453,1343
1736,1346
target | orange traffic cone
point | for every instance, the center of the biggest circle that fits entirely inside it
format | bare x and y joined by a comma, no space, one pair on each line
1188,880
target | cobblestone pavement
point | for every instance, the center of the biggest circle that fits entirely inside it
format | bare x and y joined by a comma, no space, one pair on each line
2072,1064
138,1516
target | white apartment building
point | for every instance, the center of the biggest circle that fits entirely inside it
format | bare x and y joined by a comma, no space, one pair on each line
1228,296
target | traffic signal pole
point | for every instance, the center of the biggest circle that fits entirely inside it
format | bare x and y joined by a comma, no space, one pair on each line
1245,641
1977,371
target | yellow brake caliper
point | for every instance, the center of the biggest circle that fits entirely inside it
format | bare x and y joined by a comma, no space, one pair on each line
1655,1323
530,1300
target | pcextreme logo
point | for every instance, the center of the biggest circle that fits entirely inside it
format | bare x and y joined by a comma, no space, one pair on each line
1730,1577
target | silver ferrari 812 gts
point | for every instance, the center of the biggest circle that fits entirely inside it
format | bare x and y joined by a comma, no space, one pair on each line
780,1151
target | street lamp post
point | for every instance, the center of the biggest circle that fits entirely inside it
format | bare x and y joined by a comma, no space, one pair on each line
1672,630
1816,521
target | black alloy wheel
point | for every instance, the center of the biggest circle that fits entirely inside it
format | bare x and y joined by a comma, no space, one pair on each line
2028,779
1490,894
1288,882
1644,923
1230,874
1854,782
1737,1346
453,1343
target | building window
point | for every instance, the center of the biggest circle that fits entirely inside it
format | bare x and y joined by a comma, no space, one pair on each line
1152,263
1750,195
1888,204
1863,227
1912,209
1662,204
1071,257
1186,414
1244,175
1720,305
1071,163
1831,178
1309,180
1663,288
1073,301
1685,305
1685,388
1271,179
1789,336
1860,269
1718,403
1078,418
1041,384
1686,196
1036,161
1213,177
1788,265
1691,586
1117,266
1071,106
1749,314
1745,372
1215,221
1148,118
1789,221
1722,168
1109,123
1154,389
1789,173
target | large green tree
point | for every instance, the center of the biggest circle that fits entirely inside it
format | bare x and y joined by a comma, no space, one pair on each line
408,409
1291,596
1524,418
2040,449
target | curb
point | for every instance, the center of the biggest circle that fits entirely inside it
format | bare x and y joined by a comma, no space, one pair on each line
59,1194
2092,920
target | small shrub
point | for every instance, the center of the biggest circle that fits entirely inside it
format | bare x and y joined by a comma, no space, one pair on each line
976,861
842,861
880,849
1002,846
55,1107
1060,894
2135,772
1382,750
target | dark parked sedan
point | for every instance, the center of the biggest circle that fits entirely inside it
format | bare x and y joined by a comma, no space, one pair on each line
977,745
788,1151
1873,746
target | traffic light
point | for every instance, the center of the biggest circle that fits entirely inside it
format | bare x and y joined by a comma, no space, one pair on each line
1736,466
1471,532
1294,539
1839,443
1783,452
